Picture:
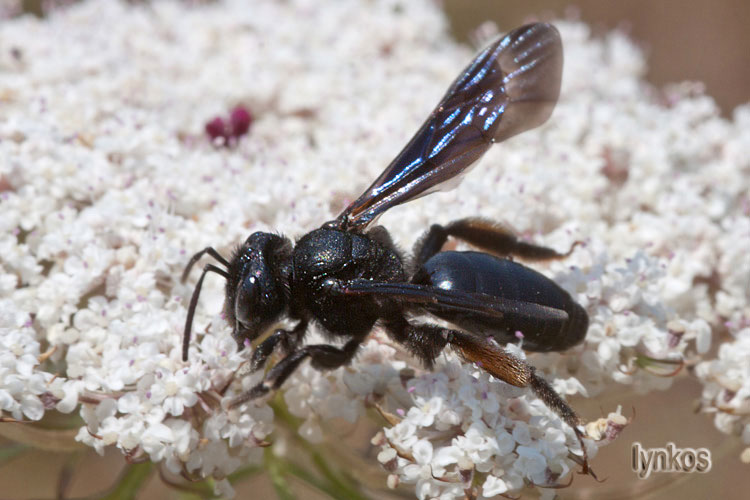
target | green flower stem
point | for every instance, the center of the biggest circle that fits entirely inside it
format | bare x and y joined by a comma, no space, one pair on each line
277,469
130,482
304,475
339,485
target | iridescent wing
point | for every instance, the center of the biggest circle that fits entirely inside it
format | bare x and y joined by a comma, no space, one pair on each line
511,86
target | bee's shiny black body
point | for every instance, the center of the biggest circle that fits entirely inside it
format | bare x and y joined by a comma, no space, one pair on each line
327,254
347,276
478,272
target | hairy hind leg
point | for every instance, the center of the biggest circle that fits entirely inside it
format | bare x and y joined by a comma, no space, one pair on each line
485,235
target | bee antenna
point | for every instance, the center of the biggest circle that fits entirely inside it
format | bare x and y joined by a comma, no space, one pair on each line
197,290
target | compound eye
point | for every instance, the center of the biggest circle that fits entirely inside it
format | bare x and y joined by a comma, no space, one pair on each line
246,300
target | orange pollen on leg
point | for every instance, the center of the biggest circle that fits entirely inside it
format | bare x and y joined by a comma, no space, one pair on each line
498,363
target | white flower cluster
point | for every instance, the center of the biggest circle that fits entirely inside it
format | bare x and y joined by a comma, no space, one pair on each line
26,391
108,184
727,377
463,424
726,391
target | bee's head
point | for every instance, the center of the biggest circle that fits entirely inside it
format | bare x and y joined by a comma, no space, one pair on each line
258,285
257,288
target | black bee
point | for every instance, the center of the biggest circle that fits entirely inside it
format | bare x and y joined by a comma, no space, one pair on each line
348,275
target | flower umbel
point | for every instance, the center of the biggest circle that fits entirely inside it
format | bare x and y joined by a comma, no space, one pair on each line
108,184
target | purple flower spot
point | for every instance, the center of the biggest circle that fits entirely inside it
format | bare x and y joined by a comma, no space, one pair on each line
401,412
411,389
159,375
673,340
132,362
519,334
484,395
216,128
246,342
230,129
223,354
148,394
240,120
48,400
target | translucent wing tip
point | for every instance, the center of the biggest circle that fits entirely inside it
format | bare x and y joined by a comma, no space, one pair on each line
532,64
509,87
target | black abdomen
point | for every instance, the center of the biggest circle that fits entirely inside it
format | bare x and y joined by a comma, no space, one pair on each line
479,272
